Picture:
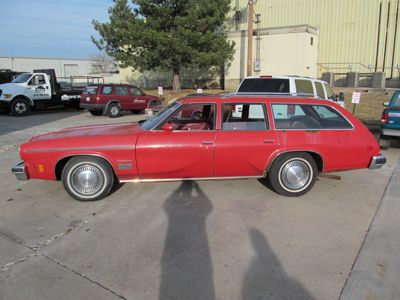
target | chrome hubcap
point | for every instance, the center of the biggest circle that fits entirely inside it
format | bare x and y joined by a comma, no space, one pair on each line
114,110
295,175
20,107
87,179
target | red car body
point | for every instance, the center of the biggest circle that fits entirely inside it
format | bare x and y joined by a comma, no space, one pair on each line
212,147
114,98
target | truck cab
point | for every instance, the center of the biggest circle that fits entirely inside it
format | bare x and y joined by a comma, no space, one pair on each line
390,121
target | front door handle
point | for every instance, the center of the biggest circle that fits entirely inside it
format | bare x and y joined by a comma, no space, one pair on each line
269,141
207,142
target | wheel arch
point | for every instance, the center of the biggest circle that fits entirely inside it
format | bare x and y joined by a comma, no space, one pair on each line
30,101
111,102
60,164
315,155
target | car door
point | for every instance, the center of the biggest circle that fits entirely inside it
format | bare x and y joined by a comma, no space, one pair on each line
245,141
123,96
38,88
184,152
137,99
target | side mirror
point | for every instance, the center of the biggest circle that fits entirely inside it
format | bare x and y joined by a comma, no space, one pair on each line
386,104
341,96
167,127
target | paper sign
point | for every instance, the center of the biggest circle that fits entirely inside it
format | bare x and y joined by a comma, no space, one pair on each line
355,98
199,91
160,90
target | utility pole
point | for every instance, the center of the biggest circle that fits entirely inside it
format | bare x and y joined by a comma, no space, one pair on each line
250,39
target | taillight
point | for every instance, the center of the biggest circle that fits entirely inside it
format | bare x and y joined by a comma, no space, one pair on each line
384,118
97,99
265,76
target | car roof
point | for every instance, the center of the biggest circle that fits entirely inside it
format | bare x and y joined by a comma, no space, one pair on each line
252,98
284,77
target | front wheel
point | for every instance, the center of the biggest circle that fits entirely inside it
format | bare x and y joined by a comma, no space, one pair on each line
20,107
293,174
87,178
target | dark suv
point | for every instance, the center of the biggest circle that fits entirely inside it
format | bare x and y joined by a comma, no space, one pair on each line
113,98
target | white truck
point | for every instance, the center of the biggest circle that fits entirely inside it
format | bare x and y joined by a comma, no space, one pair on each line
40,89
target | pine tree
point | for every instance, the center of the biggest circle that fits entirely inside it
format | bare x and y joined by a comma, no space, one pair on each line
166,34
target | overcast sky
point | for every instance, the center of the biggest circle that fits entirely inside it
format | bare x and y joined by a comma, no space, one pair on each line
50,28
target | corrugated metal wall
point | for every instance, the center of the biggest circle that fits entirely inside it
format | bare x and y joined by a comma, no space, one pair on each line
348,29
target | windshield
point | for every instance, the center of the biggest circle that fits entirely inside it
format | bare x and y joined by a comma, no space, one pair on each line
160,116
329,92
22,78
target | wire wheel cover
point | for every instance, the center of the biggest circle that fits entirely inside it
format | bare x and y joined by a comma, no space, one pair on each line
87,179
295,175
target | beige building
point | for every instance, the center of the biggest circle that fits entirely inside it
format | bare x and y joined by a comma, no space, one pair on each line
353,35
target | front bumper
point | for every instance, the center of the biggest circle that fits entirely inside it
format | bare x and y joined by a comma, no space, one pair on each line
19,171
377,162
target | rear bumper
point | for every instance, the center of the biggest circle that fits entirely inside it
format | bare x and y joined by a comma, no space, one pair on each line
89,106
377,162
19,171
390,132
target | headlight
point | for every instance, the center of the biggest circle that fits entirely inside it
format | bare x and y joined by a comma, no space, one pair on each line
7,96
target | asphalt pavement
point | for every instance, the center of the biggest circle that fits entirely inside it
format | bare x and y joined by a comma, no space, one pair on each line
195,240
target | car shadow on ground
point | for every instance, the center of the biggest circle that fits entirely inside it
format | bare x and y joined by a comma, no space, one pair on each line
9,123
186,265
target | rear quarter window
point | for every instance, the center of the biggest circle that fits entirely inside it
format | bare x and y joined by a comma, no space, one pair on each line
304,87
264,85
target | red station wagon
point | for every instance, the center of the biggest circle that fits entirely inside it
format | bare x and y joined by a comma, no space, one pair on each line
286,140
113,98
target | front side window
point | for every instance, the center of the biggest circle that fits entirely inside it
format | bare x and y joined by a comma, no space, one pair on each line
135,91
121,90
320,90
37,80
304,87
306,116
244,116
106,90
194,116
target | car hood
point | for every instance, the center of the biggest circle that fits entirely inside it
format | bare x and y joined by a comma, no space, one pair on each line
11,87
93,131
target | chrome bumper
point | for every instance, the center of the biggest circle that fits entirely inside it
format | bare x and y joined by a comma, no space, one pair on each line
19,171
377,162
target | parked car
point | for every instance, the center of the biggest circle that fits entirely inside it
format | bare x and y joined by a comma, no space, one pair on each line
289,85
390,121
114,98
286,140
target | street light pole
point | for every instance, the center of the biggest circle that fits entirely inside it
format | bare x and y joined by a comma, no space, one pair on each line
250,39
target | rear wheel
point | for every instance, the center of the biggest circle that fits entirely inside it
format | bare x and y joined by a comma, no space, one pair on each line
20,107
87,178
96,112
114,110
293,174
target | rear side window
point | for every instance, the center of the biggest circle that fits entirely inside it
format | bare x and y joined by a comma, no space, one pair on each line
244,117
264,85
320,90
306,116
90,90
304,87
106,90
396,99
121,90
